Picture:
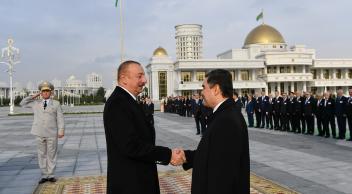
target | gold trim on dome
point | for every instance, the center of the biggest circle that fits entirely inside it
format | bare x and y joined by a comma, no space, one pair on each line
160,52
264,34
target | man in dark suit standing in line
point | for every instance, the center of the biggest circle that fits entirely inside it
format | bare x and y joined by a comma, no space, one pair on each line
276,110
149,110
328,116
197,112
130,138
340,112
318,114
301,99
250,110
225,142
284,119
264,101
308,111
237,102
257,111
349,113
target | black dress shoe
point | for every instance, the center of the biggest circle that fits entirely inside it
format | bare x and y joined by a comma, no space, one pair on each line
43,180
52,179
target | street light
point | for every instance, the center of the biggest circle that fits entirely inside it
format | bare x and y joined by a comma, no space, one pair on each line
10,57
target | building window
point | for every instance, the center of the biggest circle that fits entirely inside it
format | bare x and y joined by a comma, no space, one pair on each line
326,74
186,76
162,84
200,76
285,69
314,72
245,75
350,73
282,87
338,73
271,69
186,93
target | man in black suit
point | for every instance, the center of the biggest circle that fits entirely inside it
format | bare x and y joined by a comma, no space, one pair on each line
284,119
318,114
349,113
264,101
197,112
276,110
308,111
257,111
149,110
328,115
237,102
340,112
225,142
130,138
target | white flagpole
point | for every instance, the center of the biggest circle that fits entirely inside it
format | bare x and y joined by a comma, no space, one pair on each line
121,34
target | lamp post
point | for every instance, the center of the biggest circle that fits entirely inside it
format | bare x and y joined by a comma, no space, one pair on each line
10,57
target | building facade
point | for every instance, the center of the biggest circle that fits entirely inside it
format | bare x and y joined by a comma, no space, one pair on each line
264,63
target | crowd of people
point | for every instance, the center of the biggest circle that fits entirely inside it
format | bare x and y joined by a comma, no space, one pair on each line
301,113
293,112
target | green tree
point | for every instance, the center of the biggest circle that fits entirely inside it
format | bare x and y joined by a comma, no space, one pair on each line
99,97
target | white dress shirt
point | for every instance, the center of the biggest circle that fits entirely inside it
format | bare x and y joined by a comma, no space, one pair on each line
217,106
129,93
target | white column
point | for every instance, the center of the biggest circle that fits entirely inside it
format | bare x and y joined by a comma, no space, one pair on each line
193,76
346,74
238,71
333,73
303,69
155,85
292,86
278,87
253,74
304,86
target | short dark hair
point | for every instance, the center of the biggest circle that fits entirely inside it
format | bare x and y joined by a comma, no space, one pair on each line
123,66
223,79
235,94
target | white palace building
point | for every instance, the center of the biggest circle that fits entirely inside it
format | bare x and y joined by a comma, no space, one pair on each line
264,63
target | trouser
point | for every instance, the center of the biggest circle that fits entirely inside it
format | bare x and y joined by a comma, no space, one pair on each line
269,120
349,119
292,122
341,123
284,121
250,119
276,120
262,120
303,122
258,118
47,155
310,124
197,119
203,124
319,125
326,121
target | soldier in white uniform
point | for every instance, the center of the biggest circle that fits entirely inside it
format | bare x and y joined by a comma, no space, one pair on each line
48,126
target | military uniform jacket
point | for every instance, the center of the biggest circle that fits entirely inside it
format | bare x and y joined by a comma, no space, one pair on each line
46,122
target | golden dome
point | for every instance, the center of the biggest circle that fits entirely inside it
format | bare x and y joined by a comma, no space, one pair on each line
160,52
264,34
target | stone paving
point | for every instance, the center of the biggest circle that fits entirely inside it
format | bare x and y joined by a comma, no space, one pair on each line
307,164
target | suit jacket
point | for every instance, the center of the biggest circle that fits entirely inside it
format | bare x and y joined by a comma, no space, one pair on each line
309,106
196,108
46,122
340,106
250,106
328,110
349,107
132,153
284,106
238,105
221,162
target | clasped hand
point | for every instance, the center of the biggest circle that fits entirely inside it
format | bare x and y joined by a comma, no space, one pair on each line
178,157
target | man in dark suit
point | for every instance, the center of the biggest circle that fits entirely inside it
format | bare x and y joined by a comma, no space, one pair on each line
237,102
340,112
257,111
130,138
250,110
318,114
276,110
308,111
264,101
197,112
225,142
349,113
149,110
269,113
301,99
328,116
284,119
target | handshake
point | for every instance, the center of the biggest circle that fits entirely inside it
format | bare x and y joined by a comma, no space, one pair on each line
178,157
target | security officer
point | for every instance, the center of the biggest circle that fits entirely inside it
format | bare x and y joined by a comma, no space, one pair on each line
340,112
48,126
308,111
328,115
349,113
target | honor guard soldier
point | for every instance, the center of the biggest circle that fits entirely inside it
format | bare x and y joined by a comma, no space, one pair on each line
48,126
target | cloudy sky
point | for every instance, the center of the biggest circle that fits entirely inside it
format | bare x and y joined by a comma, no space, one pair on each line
59,38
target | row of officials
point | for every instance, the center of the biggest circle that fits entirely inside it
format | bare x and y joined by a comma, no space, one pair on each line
299,113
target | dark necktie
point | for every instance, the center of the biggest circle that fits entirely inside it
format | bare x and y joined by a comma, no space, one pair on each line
45,104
